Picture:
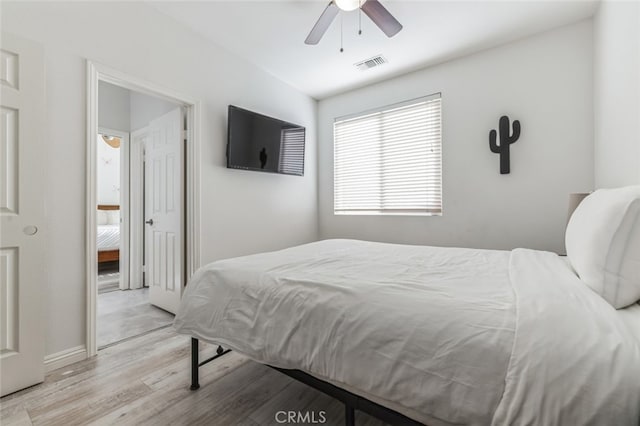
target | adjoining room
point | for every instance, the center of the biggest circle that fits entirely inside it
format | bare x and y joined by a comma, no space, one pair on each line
132,127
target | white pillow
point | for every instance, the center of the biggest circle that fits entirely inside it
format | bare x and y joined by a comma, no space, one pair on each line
603,244
102,218
114,217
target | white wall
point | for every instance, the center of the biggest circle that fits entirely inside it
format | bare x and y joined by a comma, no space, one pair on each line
124,110
107,173
242,212
616,36
545,82
127,111
114,114
113,107
146,108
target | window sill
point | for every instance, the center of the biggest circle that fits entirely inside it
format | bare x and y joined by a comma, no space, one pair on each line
384,214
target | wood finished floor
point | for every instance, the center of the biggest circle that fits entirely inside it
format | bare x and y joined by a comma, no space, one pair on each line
128,313
108,281
145,381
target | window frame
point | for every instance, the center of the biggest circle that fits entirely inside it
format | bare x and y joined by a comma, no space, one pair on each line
382,109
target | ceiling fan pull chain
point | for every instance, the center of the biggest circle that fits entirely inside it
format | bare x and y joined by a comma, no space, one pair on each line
359,17
341,33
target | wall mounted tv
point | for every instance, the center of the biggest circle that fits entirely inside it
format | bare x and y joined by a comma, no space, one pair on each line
264,144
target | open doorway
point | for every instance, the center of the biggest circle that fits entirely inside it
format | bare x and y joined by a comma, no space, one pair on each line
140,198
112,169
140,211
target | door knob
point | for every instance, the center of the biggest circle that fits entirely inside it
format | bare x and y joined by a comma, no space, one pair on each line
149,222
30,230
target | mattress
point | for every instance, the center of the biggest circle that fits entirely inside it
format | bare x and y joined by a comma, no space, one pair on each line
108,237
443,335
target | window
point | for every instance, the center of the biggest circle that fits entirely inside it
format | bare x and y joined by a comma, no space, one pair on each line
292,151
389,161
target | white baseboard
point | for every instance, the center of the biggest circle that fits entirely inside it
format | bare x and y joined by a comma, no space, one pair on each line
64,358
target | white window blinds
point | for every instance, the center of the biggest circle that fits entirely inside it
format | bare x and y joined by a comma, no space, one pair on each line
389,161
292,151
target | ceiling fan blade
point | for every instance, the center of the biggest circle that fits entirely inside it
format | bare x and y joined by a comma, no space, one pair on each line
381,17
323,23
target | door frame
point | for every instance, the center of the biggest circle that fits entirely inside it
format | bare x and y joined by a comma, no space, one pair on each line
123,267
136,210
97,72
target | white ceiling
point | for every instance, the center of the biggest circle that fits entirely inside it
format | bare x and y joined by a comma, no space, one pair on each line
271,34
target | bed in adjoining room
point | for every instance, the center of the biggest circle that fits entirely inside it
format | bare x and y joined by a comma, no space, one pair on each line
108,233
444,336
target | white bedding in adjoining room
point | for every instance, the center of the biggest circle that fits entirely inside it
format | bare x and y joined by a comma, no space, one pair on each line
108,237
442,335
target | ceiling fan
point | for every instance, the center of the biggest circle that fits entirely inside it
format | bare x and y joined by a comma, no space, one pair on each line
372,8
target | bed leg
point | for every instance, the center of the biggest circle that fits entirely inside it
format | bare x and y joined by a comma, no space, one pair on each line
194,364
349,415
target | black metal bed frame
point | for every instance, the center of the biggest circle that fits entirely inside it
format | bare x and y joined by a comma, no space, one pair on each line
352,402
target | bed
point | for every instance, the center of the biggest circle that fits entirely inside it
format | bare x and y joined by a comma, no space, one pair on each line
108,233
428,335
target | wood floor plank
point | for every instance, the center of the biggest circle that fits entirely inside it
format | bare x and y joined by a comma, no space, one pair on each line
125,313
178,374
136,412
295,397
78,381
11,408
18,418
253,395
169,389
107,362
90,408
334,409
207,401
145,381
107,380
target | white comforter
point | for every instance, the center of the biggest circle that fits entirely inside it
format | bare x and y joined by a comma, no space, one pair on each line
443,335
108,237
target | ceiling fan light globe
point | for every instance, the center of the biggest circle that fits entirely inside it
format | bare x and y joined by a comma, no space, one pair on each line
347,5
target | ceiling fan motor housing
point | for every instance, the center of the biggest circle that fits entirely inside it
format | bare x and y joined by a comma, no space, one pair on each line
348,5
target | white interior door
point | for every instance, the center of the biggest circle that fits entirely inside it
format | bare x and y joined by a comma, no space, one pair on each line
21,214
164,210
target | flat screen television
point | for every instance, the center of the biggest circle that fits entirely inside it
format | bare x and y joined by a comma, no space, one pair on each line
264,144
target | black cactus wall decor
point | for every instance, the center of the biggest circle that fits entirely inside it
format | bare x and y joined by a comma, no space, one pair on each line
505,141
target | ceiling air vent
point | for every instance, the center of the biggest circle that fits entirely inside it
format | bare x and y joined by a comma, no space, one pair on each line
376,61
